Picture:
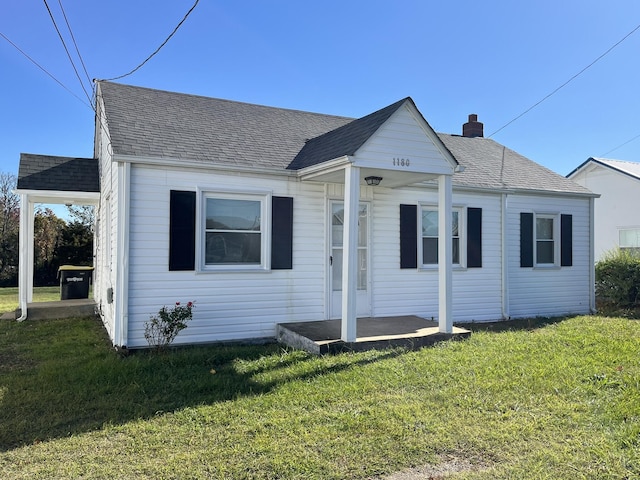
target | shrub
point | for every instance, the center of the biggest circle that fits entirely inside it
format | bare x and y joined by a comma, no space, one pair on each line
618,279
162,329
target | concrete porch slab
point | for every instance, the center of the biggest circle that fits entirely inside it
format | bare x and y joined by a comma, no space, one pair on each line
323,336
59,309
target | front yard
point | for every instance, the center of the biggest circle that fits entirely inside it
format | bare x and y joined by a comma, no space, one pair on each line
557,400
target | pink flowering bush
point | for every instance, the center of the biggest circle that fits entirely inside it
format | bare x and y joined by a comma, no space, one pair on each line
162,329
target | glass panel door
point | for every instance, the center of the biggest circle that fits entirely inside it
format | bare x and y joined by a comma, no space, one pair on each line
337,237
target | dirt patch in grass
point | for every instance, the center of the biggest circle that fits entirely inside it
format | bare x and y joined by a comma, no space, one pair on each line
12,360
448,465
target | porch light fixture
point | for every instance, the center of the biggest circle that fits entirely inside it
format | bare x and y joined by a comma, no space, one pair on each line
373,181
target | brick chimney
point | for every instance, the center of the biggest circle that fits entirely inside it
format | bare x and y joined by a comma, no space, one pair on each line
473,128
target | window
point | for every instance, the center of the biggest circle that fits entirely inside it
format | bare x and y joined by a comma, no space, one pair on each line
545,240
430,236
416,229
629,239
233,231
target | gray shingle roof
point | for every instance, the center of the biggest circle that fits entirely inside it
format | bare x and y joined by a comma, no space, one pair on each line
489,164
345,140
153,123
46,172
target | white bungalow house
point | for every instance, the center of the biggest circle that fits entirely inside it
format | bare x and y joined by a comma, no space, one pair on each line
617,220
265,215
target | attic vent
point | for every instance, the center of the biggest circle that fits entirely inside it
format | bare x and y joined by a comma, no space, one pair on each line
473,128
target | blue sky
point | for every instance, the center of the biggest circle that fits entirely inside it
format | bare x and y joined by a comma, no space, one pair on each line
493,58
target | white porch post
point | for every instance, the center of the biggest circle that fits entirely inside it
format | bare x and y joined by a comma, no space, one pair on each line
350,252
445,254
25,259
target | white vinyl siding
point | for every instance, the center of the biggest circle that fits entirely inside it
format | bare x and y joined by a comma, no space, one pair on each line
106,233
402,144
615,209
549,291
242,305
477,292
229,305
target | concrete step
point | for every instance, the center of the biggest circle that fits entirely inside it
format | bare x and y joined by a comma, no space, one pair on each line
60,309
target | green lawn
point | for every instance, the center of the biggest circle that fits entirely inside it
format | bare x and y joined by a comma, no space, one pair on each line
556,401
9,296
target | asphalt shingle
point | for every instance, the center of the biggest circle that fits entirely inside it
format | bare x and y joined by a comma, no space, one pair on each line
153,123
47,172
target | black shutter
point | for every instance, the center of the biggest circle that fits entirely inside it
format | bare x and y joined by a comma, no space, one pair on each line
474,237
566,240
526,239
408,236
281,233
182,230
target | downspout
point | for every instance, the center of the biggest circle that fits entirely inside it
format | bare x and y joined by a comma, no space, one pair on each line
592,265
122,246
505,258
25,254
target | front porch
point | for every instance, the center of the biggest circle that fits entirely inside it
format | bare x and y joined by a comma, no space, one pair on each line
82,307
321,337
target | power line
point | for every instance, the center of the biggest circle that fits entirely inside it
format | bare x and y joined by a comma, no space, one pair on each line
160,47
620,146
73,38
67,50
567,82
44,70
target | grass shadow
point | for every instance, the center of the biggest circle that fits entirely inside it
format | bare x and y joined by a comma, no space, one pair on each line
66,379
512,325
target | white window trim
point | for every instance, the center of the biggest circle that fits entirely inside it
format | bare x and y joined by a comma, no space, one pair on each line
264,197
556,239
462,234
627,229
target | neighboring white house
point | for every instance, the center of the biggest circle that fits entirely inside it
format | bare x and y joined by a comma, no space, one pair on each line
617,218
264,215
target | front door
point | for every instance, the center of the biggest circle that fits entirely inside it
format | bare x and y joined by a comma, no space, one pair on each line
363,300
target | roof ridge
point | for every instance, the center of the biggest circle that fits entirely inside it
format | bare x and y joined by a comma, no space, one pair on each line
224,100
345,139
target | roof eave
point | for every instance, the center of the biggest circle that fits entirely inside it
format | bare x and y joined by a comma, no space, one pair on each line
60,196
602,163
191,163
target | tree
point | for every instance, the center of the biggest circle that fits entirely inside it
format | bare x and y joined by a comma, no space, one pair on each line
9,226
83,214
46,241
76,245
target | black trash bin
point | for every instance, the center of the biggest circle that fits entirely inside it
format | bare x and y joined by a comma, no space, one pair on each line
74,281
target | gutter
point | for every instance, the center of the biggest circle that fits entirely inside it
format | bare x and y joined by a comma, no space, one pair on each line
200,164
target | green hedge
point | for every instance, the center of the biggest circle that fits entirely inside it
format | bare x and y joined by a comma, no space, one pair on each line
618,279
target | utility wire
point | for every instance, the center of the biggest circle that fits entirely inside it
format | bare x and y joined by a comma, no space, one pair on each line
567,82
620,146
73,38
160,47
67,50
44,70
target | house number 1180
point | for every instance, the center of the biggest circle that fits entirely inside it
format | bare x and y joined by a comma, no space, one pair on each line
400,162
